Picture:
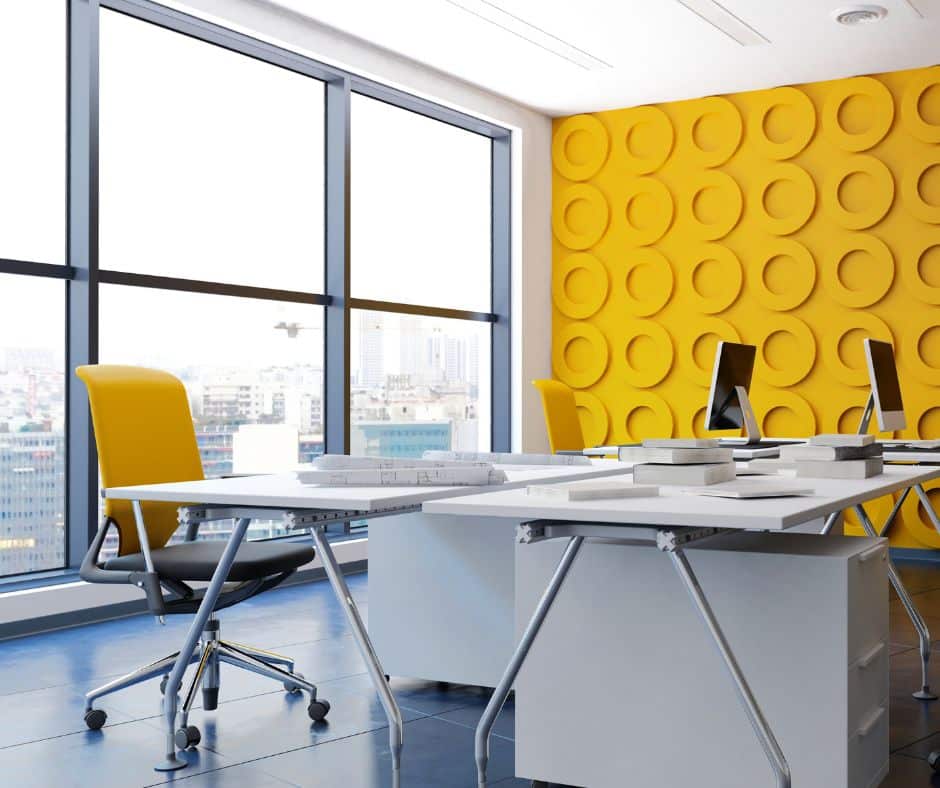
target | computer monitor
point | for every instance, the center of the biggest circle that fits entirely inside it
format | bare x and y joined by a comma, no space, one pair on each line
885,395
728,404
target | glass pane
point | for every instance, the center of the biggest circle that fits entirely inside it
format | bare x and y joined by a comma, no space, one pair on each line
420,209
33,131
211,162
418,383
32,424
253,370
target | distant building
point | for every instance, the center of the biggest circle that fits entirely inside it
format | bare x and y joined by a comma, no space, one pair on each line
399,438
32,501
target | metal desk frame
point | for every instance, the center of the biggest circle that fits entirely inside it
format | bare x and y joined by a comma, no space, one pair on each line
316,520
669,540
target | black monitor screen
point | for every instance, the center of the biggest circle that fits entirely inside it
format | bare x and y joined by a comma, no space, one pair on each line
886,376
734,366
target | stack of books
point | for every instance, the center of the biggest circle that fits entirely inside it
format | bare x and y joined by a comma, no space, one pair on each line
688,461
836,457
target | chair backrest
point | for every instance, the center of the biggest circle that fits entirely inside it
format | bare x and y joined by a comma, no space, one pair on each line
145,435
561,416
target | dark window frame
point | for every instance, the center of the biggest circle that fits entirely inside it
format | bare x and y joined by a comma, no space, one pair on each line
83,276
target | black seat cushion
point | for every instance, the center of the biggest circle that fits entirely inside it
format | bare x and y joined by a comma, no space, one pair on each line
192,561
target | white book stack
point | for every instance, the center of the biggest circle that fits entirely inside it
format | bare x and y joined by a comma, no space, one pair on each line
686,461
836,457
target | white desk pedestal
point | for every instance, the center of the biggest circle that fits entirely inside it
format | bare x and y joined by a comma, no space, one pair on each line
623,686
441,596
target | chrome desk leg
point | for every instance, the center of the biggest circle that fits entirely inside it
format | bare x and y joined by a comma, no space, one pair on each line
917,620
771,748
894,512
171,697
829,523
389,704
498,698
925,500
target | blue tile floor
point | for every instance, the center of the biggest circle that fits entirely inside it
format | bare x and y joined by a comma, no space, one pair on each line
261,737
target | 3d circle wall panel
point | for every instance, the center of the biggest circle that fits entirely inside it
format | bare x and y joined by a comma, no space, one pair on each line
579,147
867,125
800,219
643,139
781,122
784,198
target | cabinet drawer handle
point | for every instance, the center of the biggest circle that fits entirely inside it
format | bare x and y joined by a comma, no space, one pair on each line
866,659
871,552
866,727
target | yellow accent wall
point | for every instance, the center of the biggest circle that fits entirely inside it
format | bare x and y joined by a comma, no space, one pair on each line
799,219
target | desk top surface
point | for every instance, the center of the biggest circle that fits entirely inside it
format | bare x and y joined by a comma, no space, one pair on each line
283,491
675,508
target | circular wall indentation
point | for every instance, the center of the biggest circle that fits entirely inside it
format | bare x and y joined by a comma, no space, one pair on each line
842,349
646,354
858,270
867,198
579,216
920,271
928,423
920,188
645,211
594,419
787,350
647,281
781,122
921,348
845,419
789,416
579,355
645,415
644,137
713,277
784,198
579,285
579,147
783,274
863,126
697,348
712,206
916,117
709,131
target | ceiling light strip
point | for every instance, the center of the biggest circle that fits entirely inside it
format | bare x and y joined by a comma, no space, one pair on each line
727,22
489,12
914,8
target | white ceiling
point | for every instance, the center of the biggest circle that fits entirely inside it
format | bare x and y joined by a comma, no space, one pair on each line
567,56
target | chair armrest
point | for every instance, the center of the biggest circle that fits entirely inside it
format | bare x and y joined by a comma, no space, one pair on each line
92,572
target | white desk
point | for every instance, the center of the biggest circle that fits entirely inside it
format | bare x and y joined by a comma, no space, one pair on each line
304,507
672,522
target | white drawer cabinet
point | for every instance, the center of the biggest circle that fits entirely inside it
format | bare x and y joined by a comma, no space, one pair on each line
623,686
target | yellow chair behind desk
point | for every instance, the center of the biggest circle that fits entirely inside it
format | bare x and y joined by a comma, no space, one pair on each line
561,416
145,435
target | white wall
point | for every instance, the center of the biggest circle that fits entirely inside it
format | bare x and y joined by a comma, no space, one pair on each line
531,170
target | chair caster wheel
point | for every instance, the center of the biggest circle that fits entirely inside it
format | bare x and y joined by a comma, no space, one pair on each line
934,760
293,689
95,719
187,737
318,709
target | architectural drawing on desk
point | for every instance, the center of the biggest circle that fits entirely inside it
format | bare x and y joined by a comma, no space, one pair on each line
343,462
507,458
456,475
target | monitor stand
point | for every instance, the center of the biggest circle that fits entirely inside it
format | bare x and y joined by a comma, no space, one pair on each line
865,421
751,430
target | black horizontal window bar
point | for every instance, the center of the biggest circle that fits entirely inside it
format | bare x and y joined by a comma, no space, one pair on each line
36,269
426,311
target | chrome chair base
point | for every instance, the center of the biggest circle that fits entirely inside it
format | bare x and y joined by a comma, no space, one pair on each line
210,652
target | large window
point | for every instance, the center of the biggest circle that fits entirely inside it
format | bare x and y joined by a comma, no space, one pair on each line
322,260
421,236
32,286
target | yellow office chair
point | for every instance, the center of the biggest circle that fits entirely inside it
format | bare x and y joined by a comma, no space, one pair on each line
144,432
561,416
